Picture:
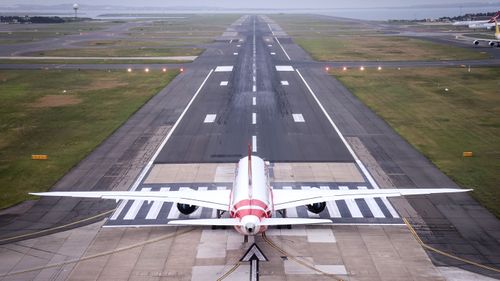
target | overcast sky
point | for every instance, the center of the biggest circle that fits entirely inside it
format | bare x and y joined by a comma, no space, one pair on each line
253,3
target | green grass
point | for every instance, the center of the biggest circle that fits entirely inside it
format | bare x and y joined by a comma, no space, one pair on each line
442,124
118,52
385,48
328,39
38,117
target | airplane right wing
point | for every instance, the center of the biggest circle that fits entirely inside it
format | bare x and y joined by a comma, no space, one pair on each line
215,199
284,198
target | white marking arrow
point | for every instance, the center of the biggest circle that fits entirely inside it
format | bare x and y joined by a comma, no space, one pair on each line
254,255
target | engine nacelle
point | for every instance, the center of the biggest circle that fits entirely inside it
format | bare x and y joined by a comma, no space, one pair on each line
491,43
186,209
316,207
476,42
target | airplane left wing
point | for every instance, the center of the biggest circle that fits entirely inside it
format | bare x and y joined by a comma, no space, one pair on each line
215,199
284,199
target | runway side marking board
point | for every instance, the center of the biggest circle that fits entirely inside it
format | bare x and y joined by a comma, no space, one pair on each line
224,68
284,68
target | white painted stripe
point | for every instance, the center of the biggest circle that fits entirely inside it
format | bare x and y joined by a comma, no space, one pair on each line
210,118
150,163
136,206
279,43
351,205
119,210
197,214
230,41
254,101
360,164
269,45
254,118
291,212
224,83
238,46
174,211
156,207
268,25
284,83
273,53
310,214
214,211
298,118
235,54
333,210
224,68
284,68
254,88
372,204
254,143
389,207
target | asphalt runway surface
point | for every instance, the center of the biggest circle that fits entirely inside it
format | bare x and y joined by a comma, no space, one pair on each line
455,223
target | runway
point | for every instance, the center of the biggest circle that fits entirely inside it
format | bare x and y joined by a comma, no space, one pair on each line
292,112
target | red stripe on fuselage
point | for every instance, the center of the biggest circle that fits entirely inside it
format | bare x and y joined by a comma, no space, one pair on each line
254,212
250,202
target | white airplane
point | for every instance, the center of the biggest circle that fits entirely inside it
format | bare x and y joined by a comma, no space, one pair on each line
479,23
251,201
491,42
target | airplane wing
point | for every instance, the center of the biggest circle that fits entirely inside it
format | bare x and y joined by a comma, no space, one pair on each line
284,199
236,222
215,199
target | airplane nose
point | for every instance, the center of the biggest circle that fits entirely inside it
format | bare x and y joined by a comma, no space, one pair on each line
250,227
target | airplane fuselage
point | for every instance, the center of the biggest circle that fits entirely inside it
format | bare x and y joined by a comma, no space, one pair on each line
251,196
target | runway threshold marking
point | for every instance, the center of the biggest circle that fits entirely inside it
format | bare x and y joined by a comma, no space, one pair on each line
165,140
344,141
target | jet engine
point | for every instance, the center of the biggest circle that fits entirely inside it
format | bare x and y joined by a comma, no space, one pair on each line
492,44
316,207
476,42
186,209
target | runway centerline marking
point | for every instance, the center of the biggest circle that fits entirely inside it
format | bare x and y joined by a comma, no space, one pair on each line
210,118
254,61
273,53
342,138
254,118
254,101
165,140
224,83
298,118
235,54
284,83
254,143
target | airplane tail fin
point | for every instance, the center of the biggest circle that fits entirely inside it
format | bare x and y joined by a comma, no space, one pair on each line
495,17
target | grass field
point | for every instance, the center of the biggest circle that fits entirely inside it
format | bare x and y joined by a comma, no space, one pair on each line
64,114
24,33
118,52
327,39
442,124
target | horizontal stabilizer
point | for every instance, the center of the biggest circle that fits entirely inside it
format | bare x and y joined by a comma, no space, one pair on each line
290,221
219,222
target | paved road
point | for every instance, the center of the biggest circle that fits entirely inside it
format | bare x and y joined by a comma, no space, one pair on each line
452,222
